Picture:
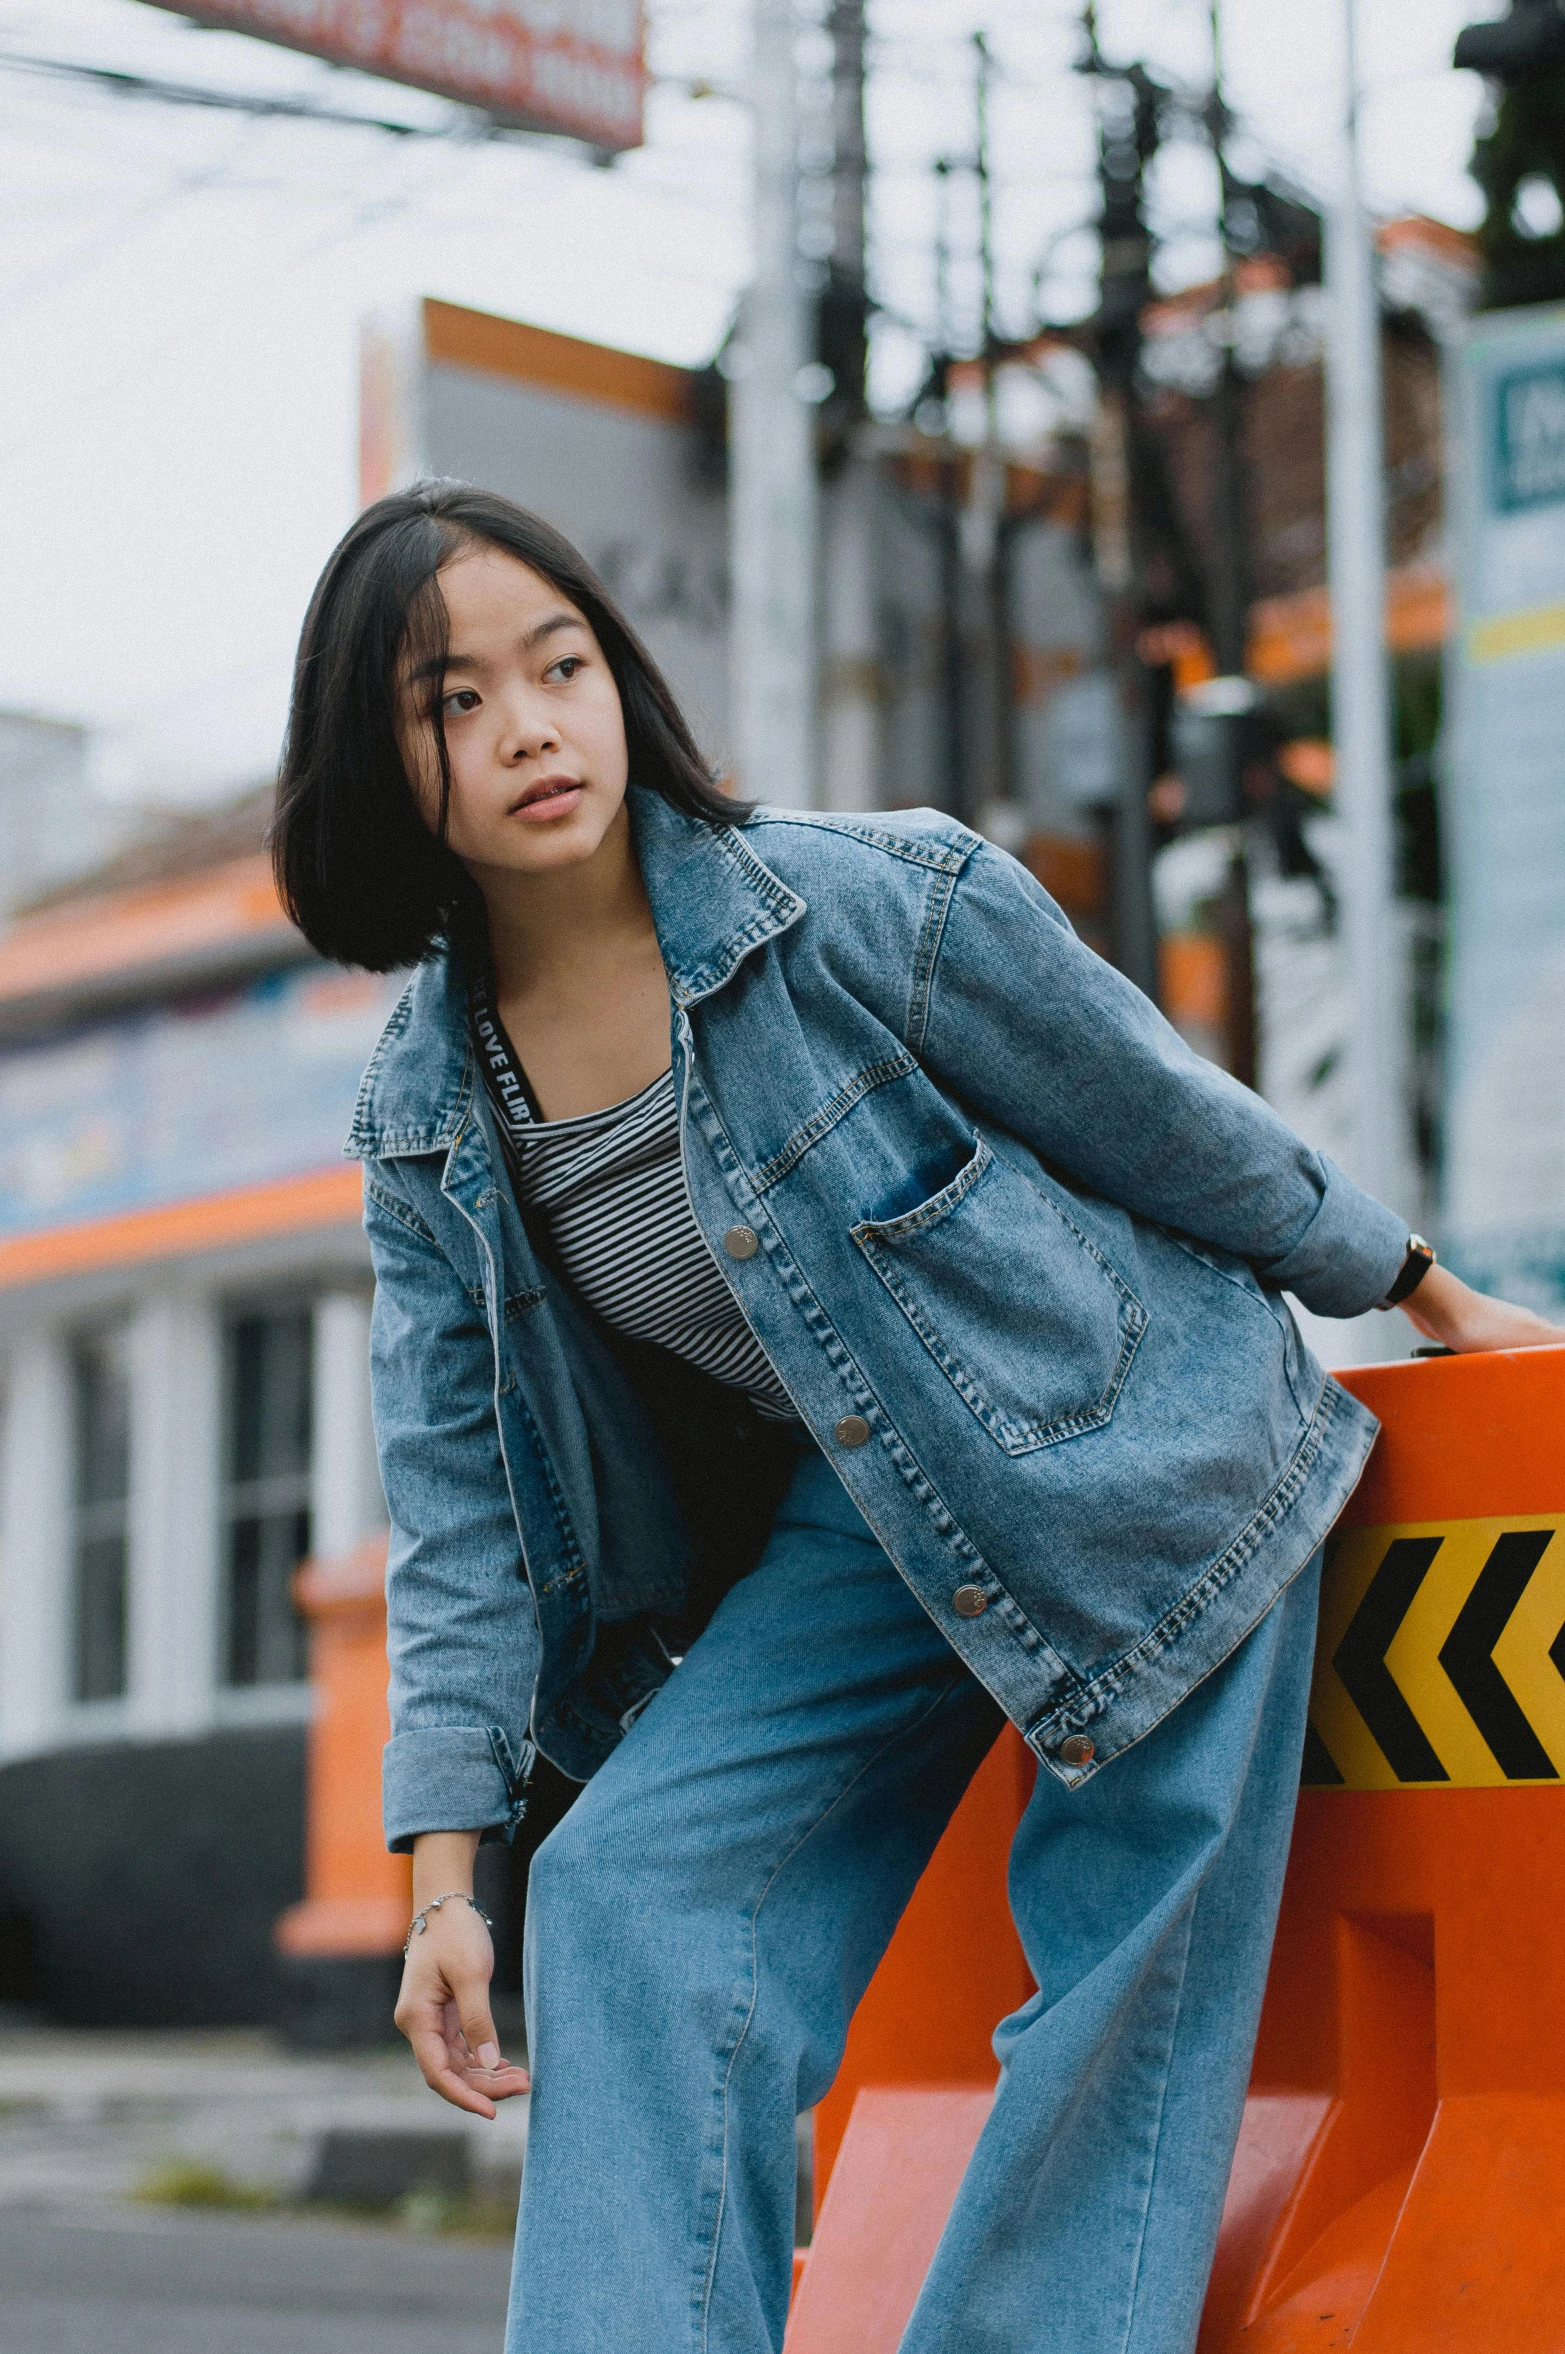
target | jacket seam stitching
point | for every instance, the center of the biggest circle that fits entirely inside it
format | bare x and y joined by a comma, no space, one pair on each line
926,956
820,1123
1095,1697
940,858
404,1215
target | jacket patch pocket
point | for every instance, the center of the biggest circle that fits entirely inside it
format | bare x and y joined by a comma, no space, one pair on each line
1018,1307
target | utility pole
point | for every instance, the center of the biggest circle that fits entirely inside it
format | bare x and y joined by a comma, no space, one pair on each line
847,292
983,517
1230,594
1128,135
774,495
1360,675
954,698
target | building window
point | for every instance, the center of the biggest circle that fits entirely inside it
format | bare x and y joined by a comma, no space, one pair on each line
266,1493
100,1380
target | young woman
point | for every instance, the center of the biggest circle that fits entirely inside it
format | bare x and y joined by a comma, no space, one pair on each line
821,1310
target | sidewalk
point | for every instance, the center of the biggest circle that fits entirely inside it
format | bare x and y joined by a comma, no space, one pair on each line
89,2119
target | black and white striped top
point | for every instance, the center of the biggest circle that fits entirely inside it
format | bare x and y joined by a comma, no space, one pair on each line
610,1191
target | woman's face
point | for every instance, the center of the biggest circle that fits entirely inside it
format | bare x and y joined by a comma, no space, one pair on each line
534,731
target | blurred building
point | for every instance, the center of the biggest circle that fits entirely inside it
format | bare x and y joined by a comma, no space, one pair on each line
54,824
922,702
184,1295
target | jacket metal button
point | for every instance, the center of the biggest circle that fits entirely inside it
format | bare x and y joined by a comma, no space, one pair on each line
741,1242
969,1601
851,1431
1077,1750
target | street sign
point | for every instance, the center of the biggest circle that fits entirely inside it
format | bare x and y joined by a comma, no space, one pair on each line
571,66
1528,410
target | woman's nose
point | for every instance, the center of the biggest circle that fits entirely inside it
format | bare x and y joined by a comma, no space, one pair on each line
527,730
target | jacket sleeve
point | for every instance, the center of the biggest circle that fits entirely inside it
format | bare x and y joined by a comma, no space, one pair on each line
461,1629
1032,1030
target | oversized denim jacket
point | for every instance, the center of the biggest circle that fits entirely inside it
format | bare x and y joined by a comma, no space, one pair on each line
1005,1217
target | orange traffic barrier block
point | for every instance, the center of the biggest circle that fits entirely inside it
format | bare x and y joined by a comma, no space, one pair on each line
1400,2173
955,1967
900,2161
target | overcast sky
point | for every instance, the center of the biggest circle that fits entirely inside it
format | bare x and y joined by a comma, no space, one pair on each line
180,290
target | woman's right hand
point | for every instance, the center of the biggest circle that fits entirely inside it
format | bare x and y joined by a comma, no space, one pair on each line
443,2008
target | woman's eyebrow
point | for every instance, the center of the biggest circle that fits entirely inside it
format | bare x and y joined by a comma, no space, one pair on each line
436,667
439,664
549,624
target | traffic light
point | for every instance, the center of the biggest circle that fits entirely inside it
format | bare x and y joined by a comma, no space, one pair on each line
1519,158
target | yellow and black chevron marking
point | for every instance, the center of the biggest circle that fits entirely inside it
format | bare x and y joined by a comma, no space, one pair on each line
1441,1658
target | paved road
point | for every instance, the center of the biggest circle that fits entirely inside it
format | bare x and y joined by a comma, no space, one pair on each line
193,2284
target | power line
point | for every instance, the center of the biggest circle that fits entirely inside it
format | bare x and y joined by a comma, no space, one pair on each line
168,93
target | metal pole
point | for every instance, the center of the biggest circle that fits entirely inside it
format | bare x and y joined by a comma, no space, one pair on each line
774,494
1230,600
959,796
849,180
1360,676
984,514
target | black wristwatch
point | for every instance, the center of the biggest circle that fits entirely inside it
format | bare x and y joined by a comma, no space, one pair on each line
1420,1258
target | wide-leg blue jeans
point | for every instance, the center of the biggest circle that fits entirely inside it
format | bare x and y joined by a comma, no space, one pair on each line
704,1920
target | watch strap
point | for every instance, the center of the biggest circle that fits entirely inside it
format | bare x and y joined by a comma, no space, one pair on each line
1420,1258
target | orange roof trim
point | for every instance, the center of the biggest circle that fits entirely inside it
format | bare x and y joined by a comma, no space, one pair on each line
155,928
556,363
251,1213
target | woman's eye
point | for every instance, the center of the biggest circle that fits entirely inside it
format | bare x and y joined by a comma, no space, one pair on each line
567,666
460,700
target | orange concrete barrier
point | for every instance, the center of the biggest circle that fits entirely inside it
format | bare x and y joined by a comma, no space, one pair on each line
954,1969
341,1948
1400,2179
900,2161
1400,2176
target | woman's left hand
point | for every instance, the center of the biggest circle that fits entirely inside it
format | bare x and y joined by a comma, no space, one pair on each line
1445,1309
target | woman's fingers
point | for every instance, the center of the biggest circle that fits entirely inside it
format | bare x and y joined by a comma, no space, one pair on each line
474,2052
475,2022
444,2012
424,2026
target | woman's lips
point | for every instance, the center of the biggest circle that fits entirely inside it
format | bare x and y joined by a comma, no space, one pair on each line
552,797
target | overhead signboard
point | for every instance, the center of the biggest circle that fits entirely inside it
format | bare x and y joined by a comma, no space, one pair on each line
1504,1191
571,66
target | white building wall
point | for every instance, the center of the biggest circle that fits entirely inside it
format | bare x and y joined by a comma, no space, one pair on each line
175,1567
346,1504
175,1443
35,1550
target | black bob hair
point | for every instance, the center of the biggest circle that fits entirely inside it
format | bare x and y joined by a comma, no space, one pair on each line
357,867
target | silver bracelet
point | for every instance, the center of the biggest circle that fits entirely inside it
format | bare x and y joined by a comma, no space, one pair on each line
452,1896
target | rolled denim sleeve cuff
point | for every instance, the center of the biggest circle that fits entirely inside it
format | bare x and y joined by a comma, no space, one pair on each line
1349,1255
453,1778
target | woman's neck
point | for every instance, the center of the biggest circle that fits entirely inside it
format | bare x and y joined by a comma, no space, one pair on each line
579,982
546,924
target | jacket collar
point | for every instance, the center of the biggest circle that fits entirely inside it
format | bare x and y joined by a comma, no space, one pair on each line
713,902
713,899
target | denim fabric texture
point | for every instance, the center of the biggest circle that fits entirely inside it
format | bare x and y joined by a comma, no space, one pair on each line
1019,1265
701,1925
